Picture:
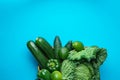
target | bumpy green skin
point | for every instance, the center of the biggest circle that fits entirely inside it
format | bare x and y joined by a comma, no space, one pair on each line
88,54
76,69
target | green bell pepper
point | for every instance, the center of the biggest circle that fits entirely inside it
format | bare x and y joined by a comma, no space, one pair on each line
44,74
53,64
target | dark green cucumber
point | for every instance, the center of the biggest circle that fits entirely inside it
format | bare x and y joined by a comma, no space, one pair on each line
45,47
57,46
69,45
42,60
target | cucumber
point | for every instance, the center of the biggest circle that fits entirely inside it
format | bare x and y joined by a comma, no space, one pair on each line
45,47
42,60
57,46
69,45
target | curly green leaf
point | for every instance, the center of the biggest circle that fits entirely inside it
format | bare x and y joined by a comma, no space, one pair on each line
88,54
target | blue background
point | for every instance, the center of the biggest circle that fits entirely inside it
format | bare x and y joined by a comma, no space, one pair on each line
94,22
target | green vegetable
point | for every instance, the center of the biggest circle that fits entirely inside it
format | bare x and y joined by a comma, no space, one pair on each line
90,67
44,74
45,47
100,58
74,70
82,73
78,46
56,75
88,54
57,46
96,75
67,70
63,53
69,45
74,61
42,60
53,65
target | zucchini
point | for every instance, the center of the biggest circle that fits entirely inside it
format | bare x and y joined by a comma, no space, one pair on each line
45,47
42,60
57,46
69,45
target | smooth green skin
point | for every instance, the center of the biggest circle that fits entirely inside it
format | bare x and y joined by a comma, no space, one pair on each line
44,45
57,46
44,74
63,53
37,53
56,75
78,46
69,45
